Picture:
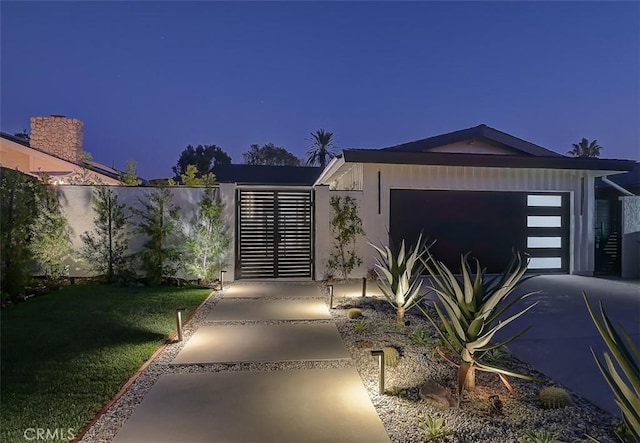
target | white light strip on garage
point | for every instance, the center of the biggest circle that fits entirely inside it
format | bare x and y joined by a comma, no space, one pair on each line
544,221
544,242
545,263
554,201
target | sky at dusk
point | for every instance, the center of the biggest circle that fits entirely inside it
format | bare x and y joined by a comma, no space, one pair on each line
149,78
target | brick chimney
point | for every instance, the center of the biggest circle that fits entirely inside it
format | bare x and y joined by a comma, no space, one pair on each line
58,135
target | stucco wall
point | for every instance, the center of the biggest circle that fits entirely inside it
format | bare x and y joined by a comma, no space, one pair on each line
77,206
324,243
630,237
376,224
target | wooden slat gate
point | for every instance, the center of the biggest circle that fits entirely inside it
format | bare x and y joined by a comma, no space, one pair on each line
274,233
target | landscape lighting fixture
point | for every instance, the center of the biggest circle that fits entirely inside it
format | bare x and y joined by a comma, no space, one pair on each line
222,279
330,296
179,312
364,286
380,355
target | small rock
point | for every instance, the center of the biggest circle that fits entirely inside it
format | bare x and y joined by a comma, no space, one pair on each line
436,395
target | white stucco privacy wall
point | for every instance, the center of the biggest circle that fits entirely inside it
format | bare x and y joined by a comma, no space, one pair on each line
324,238
77,206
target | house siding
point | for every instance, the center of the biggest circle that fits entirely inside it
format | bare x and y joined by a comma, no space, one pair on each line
581,208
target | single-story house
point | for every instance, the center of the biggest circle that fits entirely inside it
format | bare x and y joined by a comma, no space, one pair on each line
55,148
476,190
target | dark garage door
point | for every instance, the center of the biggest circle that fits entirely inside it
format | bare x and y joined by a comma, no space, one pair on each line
274,234
488,224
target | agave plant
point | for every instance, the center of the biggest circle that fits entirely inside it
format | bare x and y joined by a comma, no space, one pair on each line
472,310
627,358
399,275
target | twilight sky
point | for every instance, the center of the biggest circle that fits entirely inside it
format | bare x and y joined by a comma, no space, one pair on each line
149,78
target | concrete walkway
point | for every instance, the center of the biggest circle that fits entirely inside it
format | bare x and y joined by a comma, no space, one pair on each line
320,404
559,342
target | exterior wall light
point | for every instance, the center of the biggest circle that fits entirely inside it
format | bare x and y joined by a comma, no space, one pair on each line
179,312
380,355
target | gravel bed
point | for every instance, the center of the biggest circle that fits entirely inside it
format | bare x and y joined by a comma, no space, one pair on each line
402,414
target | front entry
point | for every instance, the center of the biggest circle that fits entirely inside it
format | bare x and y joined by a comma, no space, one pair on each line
275,233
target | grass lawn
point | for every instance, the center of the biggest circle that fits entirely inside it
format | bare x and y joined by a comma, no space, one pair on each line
64,355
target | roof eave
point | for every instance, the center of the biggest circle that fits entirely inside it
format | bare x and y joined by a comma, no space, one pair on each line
485,160
334,165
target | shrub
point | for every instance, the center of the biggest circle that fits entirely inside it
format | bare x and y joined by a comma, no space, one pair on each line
471,312
354,313
541,436
420,338
400,275
554,398
360,325
434,428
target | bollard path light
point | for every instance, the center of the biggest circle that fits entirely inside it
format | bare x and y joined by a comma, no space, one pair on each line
364,286
222,279
179,312
380,355
330,296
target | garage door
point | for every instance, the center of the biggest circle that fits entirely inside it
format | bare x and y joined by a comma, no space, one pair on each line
489,224
274,237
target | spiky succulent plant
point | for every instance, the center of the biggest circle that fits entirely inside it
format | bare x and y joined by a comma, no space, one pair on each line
399,275
472,310
627,358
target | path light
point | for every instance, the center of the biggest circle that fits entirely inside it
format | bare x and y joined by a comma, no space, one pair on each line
330,296
179,312
222,279
364,286
380,355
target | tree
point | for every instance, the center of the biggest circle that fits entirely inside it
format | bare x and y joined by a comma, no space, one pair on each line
321,148
345,226
209,240
204,157
158,219
50,234
105,247
584,149
18,199
270,154
130,177
191,178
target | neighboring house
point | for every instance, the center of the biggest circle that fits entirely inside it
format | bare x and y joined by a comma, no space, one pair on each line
55,148
617,224
477,190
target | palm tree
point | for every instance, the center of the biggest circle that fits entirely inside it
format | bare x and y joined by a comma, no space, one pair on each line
322,143
585,149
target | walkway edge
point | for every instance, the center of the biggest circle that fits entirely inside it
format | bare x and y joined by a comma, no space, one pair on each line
137,374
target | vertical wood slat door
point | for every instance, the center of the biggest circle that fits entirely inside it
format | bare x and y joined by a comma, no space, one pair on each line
275,234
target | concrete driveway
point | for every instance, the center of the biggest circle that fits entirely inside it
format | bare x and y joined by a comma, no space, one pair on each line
559,342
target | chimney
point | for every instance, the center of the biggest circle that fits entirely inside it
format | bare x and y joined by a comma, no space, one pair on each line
58,135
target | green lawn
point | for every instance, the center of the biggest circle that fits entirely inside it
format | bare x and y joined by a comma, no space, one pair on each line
65,355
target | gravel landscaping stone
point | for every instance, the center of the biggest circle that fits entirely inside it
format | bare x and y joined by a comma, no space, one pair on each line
401,410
